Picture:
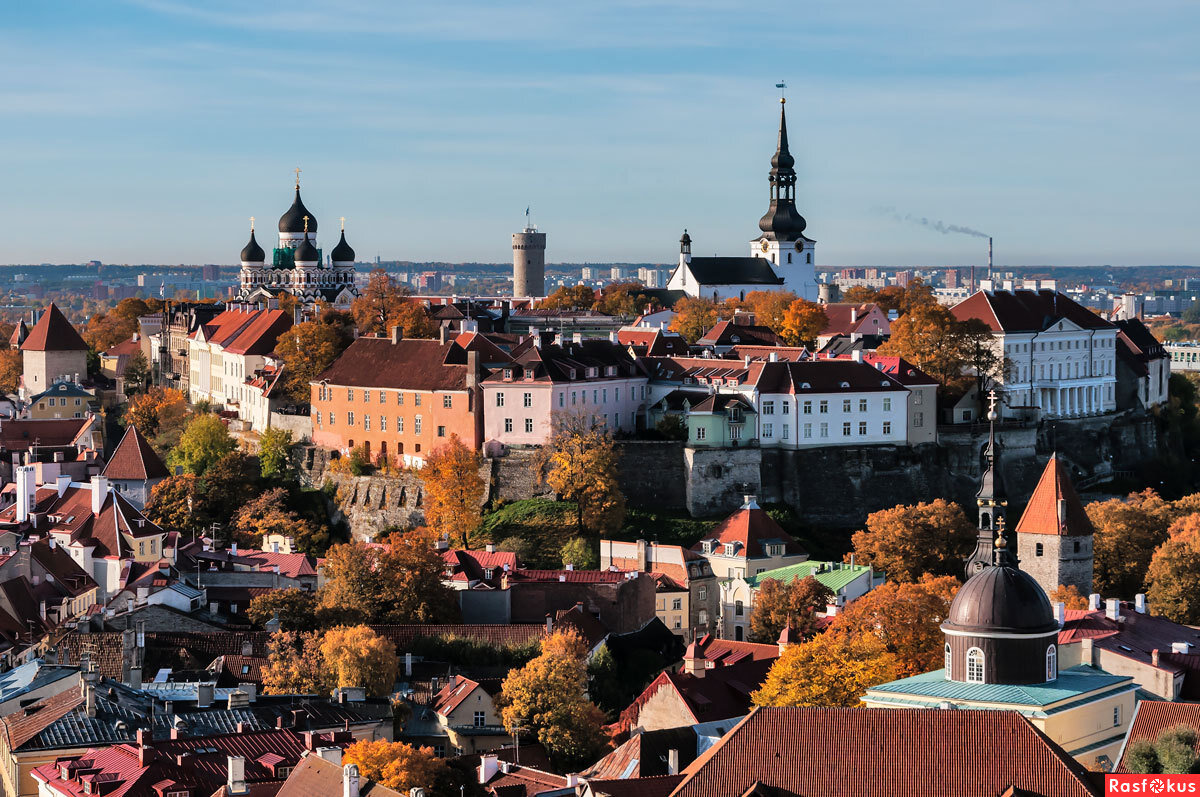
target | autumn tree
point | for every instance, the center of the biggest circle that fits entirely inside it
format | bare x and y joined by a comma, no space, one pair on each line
904,299
1174,573
803,321
623,299
827,670
107,329
230,482
177,504
414,321
267,514
11,368
982,357
693,317
931,338
575,297
794,604
379,303
275,453
306,350
858,294
357,656
908,541
1070,596
905,618
548,698
295,665
1127,533
770,308
581,466
295,608
454,490
204,441
398,581
399,766
156,411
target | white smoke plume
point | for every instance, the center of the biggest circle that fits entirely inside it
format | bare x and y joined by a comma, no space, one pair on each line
932,224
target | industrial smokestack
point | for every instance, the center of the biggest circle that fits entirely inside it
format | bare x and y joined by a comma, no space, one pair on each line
989,257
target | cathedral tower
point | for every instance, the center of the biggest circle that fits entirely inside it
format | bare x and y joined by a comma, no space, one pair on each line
991,502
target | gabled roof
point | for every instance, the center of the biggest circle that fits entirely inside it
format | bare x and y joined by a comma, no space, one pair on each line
53,332
731,333
733,271
645,755
1137,636
855,752
21,433
1140,340
1054,507
721,693
452,695
246,332
126,348
1026,311
570,362
839,314
789,353
897,368
408,364
63,390
652,341
821,376
749,529
316,777
1152,717
702,401
134,459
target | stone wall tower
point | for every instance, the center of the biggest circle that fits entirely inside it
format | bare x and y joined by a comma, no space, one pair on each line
529,261
1054,537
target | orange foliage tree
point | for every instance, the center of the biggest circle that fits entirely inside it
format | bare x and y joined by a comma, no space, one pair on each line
398,765
380,301
793,604
1174,573
827,670
694,317
1069,595
907,542
454,490
802,322
357,656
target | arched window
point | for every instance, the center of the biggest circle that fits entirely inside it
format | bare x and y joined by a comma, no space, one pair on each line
789,257
810,258
975,666
1037,551
985,520
949,661
1051,663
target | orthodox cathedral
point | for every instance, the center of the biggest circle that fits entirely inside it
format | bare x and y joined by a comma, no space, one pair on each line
781,256
297,265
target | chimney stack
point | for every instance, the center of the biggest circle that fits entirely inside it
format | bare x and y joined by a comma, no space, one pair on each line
673,761
1112,609
99,493
1060,613
395,334
1139,603
235,781
488,766
1094,602
350,780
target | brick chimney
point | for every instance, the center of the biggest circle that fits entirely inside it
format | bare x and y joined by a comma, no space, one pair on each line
99,493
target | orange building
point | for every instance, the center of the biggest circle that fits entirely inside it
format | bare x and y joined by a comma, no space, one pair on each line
401,398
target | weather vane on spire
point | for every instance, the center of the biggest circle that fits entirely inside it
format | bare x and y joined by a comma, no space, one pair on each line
297,178
782,86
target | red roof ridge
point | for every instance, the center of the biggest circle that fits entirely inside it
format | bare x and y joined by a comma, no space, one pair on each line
53,332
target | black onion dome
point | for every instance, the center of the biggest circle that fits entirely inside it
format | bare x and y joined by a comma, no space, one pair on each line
784,220
342,253
293,220
252,252
306,252
1001,600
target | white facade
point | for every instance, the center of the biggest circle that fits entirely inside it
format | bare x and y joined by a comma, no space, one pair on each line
519,412
1066,371
791,260
833,419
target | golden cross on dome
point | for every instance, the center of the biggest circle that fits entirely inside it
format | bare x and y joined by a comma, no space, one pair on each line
297,177
992,400
306,224
343,220
251,224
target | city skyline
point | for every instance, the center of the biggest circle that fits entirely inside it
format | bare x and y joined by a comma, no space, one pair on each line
157,128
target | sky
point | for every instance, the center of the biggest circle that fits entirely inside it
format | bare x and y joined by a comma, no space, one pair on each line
149,131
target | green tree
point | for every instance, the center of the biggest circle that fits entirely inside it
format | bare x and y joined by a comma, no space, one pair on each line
1172,752
274,453
230,482
204,441
580,554
137,373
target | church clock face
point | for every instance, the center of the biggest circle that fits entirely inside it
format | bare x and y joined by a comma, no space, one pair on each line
764,245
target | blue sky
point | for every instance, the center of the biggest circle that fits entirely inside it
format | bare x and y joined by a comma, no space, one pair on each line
149,131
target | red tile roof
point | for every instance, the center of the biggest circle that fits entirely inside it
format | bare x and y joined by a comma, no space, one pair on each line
246,331
821,376
53,332
1137,637
1054,507
126,348
654,786
569,576
792,354
134,459
467,565
861,751
72,514
749,529
1152,717
1026,311
839,314
451,696
729,333
721,693
316,777
651,342
406,365
20,434
730,651
19,727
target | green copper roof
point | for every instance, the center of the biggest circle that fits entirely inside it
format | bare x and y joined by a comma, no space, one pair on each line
835,580
1071,683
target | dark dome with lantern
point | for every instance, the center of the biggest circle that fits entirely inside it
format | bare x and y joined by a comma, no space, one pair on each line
252,252
293,220
342,253
1001,600
306,252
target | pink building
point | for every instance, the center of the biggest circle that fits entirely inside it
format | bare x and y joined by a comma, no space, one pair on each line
596,380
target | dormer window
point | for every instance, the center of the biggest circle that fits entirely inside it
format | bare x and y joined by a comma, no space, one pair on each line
610,370
728,549
488,573
845,384
571,374
508,374
593,372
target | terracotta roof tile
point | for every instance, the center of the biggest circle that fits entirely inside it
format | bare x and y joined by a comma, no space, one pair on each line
53,332
729,333
134,459
1026,311
316,777
407,365
19,434
749,529
1152,717
1054,507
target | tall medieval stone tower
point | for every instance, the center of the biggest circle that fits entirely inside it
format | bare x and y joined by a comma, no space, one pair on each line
529,261
1054,537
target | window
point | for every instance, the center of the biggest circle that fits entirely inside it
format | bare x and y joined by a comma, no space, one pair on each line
785,429
400,424
727,549
824,430
562,399
441,431
332,422
768,430
675,622
949,660
417,425
350,418
416,399
1116,716
142,548
1037,550
527,400
480,719
366,396
499,399
845,405
382,397
887,404
918,418
887,427
701,432
529,426
677,604
808,431
1051,663
824,408
862,427
702,593
367,422
349,394
862,405
448,402
702,617
975,666
739,609
400,398
768,408
508,427
735,432
846,429
808,408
